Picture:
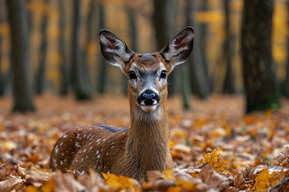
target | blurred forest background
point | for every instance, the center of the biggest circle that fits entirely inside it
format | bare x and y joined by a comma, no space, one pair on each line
53,46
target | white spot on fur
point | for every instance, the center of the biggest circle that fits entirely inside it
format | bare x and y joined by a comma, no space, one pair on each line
56,149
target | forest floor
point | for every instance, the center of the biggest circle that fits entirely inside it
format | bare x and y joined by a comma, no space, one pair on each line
214,146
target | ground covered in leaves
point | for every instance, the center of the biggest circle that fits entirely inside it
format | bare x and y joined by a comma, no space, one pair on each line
214,146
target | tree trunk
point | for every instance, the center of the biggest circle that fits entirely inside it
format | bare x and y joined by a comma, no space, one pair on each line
64,69
40,75
286,82
132,16
163,22
202,39
22,84
80,79
2,78
200,84
259,71
102,63
229,82
159,22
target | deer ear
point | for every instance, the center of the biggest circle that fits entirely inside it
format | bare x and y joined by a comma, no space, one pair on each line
179,47
114,49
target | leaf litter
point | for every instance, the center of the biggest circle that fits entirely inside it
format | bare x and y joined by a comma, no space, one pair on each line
215,147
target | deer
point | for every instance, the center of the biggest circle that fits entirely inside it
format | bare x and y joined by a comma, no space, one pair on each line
144,146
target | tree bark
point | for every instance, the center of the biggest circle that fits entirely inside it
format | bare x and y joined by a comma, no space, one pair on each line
40,74
2,78
229,82
80,78
132,16
199,82
259,71
64,69
22,84
286,82
102,75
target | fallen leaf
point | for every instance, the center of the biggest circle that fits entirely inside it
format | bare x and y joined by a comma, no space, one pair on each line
10,184
265,180
213,179
122,182
214,159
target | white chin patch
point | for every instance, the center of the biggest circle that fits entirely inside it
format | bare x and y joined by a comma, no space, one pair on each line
148,108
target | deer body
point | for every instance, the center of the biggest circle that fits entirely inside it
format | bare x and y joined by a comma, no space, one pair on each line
145,145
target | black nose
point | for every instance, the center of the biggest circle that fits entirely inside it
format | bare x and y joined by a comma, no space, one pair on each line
148,97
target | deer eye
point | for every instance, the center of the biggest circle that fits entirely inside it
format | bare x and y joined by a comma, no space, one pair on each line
163,74
132,75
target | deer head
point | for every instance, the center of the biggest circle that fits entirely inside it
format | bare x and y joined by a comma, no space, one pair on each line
147,73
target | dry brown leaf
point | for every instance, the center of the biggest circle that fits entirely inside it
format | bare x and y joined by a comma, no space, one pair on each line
94,182
213,179
238,180
11,183
66,182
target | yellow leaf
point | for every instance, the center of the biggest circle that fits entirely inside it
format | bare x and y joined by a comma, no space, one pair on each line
125,183
168,174
31,188
265,180
214,159
49,186
8,145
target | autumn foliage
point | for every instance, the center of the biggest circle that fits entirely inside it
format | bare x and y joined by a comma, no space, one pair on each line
213,147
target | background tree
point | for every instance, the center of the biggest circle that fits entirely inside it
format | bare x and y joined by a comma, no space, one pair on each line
229,82
203,35
133,28
63,66
258,68
286,82
199,81
2,82
101,77
20,60
40,74
80,78
163,20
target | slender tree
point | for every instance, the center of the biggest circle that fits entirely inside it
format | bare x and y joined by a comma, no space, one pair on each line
102,74
40,74
199,81
132,18
163,20
286,82
229,82
20,60
203,33
80,78
258,68
64,68
160,23
2,82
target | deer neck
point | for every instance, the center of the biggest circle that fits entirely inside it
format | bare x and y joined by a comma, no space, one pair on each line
148,138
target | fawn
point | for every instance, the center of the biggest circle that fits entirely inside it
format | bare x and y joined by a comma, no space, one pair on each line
144,146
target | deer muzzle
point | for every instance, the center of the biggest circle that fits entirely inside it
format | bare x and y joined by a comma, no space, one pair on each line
148,100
